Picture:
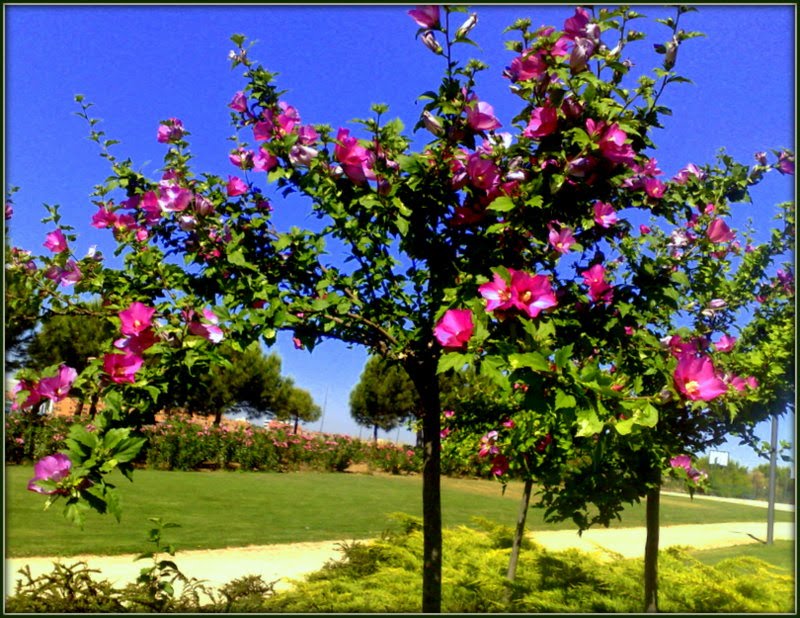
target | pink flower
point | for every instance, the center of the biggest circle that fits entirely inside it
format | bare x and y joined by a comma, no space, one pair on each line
543,122
264,161
561,240
690,170
579,57
104,218
238,102
307,135
236,186
262,130
482,173
50,468
529,294
136,318
529,65
426,16
207,329
488,444
449,413
287,119
355,159
455,328
654,187
611,141
499,465
786,163
56,242
696,378
599,289
725,343
300,154
575,26
509,424
497,294
122,368
171,131
70,274
532,294
681,461
644,229
137,344
57,387
241,158
718,232
480,116
151,208
173,198
604,214
33,397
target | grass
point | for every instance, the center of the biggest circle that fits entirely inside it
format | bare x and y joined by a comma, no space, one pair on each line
226,509
780,554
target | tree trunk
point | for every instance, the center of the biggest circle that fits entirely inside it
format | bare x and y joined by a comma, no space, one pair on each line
375,434
423,374
217,418
431,515
296,424
93,405
519,533
651,550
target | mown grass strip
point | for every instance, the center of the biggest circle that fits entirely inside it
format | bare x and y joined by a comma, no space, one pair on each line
228,509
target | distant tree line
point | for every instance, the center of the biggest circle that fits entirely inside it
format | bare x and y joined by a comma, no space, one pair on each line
247,381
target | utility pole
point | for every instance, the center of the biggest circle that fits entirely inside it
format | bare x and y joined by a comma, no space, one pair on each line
324,405
773,465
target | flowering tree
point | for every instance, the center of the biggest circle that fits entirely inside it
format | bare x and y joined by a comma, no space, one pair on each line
510,252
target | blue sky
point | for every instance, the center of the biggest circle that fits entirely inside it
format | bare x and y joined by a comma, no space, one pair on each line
141,64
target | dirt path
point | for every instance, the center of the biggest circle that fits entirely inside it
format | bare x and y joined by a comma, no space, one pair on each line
284,563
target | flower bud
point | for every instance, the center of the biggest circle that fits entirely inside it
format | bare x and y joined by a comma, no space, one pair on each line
432,123
431,43
468,25
671,53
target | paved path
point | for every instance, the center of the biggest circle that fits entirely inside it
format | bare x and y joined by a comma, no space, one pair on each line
286,562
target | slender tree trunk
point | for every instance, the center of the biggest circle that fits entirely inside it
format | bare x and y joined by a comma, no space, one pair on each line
217,418
651,550
296,424
375,434
426,381
93,404
519,533
431,515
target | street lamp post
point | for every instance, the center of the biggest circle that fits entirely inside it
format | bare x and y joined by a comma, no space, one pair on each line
773,464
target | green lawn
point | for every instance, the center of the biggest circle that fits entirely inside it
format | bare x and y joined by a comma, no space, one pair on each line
221,509
780,554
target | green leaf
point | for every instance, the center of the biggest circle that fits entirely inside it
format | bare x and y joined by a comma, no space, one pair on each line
502,204
563,355
452,360
588,424
565,401
128,449
75,512
237,257
529,360
113,504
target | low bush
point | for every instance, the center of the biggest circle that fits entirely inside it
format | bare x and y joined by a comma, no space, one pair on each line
384,576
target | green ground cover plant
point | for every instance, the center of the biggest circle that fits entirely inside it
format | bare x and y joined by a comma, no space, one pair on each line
382,576
287,508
